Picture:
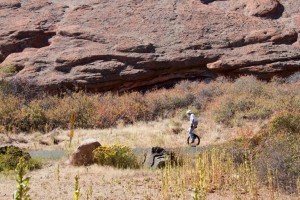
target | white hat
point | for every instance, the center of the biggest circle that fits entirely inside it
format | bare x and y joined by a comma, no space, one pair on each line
189,112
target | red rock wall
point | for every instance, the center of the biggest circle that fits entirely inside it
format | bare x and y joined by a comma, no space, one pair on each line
120,45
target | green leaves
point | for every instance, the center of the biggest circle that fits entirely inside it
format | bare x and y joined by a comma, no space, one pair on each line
116,155
23,182
77,189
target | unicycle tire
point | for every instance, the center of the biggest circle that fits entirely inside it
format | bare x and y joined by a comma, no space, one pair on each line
196,141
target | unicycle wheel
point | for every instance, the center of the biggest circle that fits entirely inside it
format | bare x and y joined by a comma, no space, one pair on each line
196,141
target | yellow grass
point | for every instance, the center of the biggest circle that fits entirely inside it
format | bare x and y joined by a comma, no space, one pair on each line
56,181
140,134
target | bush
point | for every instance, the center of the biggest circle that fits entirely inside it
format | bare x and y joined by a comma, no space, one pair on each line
286,122
280,155
31,118
225,111
248,85
232,107
231,104
10,159
207,94
58,110
259,112
6,70
116,155
277,150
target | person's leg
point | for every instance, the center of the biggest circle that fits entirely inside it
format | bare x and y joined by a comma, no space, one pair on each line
191,133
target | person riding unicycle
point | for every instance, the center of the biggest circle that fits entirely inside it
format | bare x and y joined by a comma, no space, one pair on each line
193,125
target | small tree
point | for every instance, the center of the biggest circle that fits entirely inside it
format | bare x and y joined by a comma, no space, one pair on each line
23,182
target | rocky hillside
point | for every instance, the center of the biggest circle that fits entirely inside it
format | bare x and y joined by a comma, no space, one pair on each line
119,45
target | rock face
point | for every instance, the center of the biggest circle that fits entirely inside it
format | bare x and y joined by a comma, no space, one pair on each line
157,157
83,155
103,45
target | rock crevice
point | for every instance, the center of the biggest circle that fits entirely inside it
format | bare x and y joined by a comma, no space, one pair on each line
18,41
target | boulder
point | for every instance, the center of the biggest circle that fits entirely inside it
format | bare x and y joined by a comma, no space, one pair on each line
83,155
122,45
157,157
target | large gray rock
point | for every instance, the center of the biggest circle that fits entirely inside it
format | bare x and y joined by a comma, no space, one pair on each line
83,155
157,157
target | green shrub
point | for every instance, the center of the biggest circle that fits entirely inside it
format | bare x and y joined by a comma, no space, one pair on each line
232,108
259,112
31,118
23,182
76,189
7,70
225,111
286,122
231,103
116,155
10,159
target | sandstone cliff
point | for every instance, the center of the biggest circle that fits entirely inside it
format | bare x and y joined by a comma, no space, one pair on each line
119,45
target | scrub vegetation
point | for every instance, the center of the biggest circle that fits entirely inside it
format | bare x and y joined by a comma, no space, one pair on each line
260,161
230,102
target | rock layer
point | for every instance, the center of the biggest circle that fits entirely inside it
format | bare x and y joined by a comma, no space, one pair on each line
104,45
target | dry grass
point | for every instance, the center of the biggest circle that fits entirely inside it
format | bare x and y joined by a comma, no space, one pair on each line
56,181
140,134
106,183
226,110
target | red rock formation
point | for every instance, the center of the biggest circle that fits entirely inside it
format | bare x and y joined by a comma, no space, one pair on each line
83,155
121,45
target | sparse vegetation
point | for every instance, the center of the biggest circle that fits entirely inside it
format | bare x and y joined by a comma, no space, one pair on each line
262,159
232,104
278,150
72,124
7,69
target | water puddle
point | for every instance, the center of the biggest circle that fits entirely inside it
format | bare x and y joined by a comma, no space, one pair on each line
47,154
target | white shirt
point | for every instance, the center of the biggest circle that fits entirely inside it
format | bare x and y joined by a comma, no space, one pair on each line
193,118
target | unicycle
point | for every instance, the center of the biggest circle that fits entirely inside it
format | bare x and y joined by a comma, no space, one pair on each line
196,141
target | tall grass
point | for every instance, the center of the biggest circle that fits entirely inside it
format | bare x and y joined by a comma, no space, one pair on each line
211,171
